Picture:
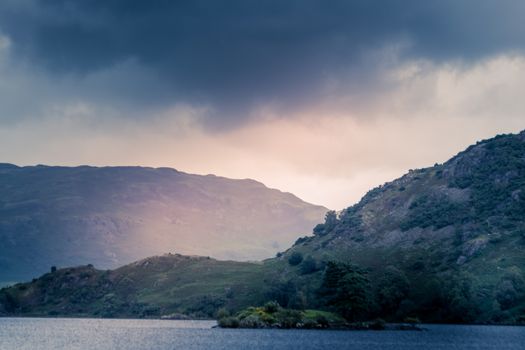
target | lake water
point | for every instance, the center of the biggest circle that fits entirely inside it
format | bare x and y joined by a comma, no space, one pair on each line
94,334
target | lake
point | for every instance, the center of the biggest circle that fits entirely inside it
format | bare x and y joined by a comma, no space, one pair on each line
94,334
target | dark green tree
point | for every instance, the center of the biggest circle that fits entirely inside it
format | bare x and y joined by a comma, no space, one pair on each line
346,289
308,266
392,287
283,292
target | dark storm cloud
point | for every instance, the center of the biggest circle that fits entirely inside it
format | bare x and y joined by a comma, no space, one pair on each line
236,54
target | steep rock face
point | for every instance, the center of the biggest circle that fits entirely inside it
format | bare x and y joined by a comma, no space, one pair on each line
478,193
114,215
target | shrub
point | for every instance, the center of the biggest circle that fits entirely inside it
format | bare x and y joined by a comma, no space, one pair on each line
433,211
309,324
412,320
301,240
295,258
229,322
506,294
289,318
322,321
271,307
252,321
222,313
377,324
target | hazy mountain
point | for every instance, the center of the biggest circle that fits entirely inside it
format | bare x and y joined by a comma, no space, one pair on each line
444,244
111,216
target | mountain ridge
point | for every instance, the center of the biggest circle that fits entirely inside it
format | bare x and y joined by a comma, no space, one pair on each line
110,216
441,244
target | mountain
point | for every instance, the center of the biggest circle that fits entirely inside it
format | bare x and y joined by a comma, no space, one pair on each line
111,216
442,244
445,243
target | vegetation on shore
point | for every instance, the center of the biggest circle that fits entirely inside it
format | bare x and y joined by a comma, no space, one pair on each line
272,315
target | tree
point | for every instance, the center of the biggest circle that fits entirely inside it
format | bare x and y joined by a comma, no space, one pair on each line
510,289
271,307
8,302
459,299
319,230
308,266
346,288
330,221
283,292
393,287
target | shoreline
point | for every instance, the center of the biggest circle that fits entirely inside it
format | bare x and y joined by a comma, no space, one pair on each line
215,320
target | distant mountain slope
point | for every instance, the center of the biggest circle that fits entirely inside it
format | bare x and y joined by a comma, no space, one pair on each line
443,244
114,215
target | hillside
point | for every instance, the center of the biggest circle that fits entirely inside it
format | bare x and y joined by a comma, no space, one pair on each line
445,243
112,216
442,244
153,287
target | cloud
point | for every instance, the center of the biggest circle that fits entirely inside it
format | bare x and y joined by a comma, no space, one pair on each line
326,156
323,99
237,57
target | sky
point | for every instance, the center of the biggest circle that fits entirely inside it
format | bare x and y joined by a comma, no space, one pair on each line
324,99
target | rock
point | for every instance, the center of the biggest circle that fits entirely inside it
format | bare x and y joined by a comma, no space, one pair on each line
461,260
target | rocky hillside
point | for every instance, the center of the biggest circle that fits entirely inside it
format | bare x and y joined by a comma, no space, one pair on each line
446,243
442,244
476,198
115,215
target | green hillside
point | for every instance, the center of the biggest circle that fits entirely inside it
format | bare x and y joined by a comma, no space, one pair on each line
153,287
